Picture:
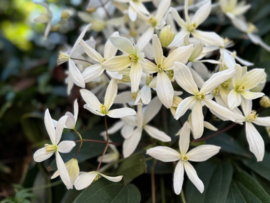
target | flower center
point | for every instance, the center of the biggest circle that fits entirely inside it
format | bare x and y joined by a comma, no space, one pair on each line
134,95
200,96
240,88
153,21
160,67
103,109
192,27
252,116
62,58
225,84
251,28
50,148
133,58
183,157
216,91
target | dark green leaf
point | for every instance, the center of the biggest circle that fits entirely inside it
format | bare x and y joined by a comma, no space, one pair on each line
104,191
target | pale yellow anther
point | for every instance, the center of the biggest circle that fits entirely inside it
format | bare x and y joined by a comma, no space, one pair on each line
251,28
153,21
200,96
134,95
240,88
160,67
252,116
133,58
216,91
50,148
192,27
225,84
62,58
103,109
184,157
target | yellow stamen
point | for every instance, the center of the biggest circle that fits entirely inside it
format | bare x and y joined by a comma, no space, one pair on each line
103,109
240,88
62,58
252,116
50,148
183,157
133,58
192,27
200,96
153,21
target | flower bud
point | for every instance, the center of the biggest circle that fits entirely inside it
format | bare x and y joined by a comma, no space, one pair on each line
65,15
265,102
73,169
176,102
166,36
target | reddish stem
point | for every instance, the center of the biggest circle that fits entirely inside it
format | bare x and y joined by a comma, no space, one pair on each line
99,141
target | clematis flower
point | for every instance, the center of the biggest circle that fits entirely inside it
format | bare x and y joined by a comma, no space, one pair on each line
232,8
94,71
45,18
56,147
143,118
164,86
255,141
184,78
85,179
198,154
242,82
94,106
190,26
131,57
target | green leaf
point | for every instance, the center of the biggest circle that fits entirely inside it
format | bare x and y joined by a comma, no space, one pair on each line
132,167
264,183
70,196
216,179
228,144
262,168
104,191
245,189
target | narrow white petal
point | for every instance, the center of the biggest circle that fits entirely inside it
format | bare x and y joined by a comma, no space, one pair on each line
257,40
202,13
110,94
85,29
66,146
123,44
149,67
92,53
255,141
63,171
49,125
145,38
157,134
109,49
41,155
197,119
253,78
151,110
127,131
162,8
132,13
162,153
208,38
184,78
119,113
251,95
131,143
178,177
209,126
184,105
90,99
177,18
165,90
75,74
227,58
238,75
184,139
93,110
76,109
113,179
157,50
124,97
234,99
262,121
135,76
145,94
84,180
59,129
202,153
116,126
92,72
246,106
108,158
193,176
117,63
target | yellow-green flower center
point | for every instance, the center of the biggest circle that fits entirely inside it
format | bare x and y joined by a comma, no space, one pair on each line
133,58
192,27
153,21
240,88
251,28
50,148
183,157
103,109
62,58
160,67
134,95
252,116
200,96
216,91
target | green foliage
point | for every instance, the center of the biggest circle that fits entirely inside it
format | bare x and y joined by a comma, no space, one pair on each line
21,196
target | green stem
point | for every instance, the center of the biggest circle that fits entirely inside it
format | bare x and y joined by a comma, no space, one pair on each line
183,196
80,136
153,185
45,186
48,181
162,188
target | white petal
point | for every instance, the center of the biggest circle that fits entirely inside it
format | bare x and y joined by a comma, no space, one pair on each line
93,110
234,99
257,40
178,177
202,70
131,143
255,141
116,126
127,131
84,180
41,155
180,54
197,119
132,13
47,30
262,121
123,44
145,38
227,58
162,153
246,106
124,97
157,134
85,29
184,139
145,94
157,49
75,74
193,177
66,146
151,110
165,90
252,78
238,75
202,152
49,125
216,79
108,158
92,53
202,13
184,105
109,49
113,179
177,18
117,63
135,76
90,99
219,110
251,95
162,8
208,38
119,113
63,171
209,126
92,72
243,62
114,75
184,78
149,67
110,94
76,109
59,129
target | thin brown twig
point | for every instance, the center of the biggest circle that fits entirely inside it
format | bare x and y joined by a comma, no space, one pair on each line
107,145
99,141
153,185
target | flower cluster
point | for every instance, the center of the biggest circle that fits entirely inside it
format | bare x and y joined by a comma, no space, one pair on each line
150,61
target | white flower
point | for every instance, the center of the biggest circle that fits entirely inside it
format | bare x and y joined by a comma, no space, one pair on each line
164,86
190,26
56,147
94,106
85,179
232,9
131,57
255,141
198,154
242,82
94,71
45,18
185,80
143,118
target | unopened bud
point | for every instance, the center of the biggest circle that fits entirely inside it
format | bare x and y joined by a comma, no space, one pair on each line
166,36
65,15
176,102
265,102
73,169
91,9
